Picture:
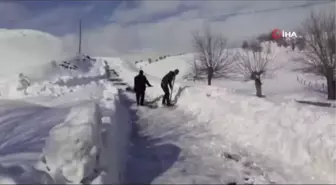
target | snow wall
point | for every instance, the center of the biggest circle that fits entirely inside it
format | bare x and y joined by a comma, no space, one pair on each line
86,148
89,148
288,133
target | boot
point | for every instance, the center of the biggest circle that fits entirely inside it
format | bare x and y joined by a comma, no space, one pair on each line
169,104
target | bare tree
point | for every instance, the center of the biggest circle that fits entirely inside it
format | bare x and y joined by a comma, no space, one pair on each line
319,53
212,55
265,37
300,43
255,46
252,65
245,44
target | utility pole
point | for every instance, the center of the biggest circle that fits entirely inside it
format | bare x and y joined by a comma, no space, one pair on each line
80,38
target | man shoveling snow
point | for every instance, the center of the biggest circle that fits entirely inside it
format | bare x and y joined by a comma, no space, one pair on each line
168,79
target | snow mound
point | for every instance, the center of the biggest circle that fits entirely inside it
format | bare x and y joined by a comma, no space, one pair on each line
295,135
80,64
61,86
91,145
61,81
77,70
73,146
27,51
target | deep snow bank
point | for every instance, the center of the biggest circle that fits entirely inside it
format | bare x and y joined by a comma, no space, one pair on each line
71,153
60,86
59,81
73,147
295,135
91,145
27,51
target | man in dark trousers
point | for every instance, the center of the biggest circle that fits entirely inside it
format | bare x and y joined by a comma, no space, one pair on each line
140,82
167,80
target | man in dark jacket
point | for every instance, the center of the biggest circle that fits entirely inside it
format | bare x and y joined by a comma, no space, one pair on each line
165,82
140,82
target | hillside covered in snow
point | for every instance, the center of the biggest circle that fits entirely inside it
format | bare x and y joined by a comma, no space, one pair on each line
28,51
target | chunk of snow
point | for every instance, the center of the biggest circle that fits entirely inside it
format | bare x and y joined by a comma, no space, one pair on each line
74,145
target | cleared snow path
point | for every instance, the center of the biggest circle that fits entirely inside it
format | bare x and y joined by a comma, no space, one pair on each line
169,146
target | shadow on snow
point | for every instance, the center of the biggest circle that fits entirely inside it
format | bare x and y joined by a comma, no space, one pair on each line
148,159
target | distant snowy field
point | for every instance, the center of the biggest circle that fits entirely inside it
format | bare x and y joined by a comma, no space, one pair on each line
28,51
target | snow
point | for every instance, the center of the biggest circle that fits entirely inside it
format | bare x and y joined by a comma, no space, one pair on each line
73,146
181,152
24,127
23,174
73,126
21,50
293,136
86,142
117,130
57,131
162,67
